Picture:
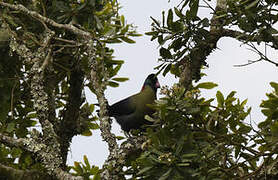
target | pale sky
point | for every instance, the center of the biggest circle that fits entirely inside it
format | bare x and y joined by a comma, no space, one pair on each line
250,82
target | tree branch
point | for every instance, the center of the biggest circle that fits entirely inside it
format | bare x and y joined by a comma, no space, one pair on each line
240,35
12,142
111,168
9,173
36,15
47,148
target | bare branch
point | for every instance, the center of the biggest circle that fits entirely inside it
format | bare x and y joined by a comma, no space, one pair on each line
249,63
263,57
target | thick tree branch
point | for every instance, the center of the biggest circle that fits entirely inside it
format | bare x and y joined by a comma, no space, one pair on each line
239,35
12,142
9,173
47,149
36,15
111,168
53,161
191,64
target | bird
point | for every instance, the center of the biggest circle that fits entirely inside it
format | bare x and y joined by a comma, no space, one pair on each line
130,112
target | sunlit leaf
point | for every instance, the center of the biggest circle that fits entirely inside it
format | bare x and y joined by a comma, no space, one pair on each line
207,85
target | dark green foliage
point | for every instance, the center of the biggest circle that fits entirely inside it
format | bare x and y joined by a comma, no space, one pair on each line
193,139
86,170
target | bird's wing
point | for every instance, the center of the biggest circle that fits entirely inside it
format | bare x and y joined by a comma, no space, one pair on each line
123,107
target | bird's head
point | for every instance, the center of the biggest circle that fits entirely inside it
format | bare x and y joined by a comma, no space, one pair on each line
151,81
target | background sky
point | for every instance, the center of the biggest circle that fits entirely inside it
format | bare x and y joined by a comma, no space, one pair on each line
250,82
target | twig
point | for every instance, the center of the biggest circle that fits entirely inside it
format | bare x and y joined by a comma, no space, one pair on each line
12,100
64,40
249,63
209,6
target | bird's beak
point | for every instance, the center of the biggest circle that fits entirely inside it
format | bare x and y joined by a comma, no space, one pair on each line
157,85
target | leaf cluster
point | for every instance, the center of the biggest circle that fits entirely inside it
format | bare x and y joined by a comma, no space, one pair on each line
197,138
86,170
182,32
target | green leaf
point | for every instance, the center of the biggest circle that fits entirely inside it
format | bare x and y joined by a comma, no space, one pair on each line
31,123
243,103
166,175
113,41
244,129
231,94
87,132
160,39
266,112
178,13
177,44
119,62
149,118
183,164
96,177
120,79
116,70
185,156
177,26
134,34
220,99
214,169
99,23
16,152
10,127
122,20
167,69
151,33
120,137
274,85
94,170
170,18
142,171
32,115
92,108
86,162
206,85
77,168
254,3
194,6
205,22
113,84
93,126
127,40
274,129
163,18
179,147
165,53
155,21
237,151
